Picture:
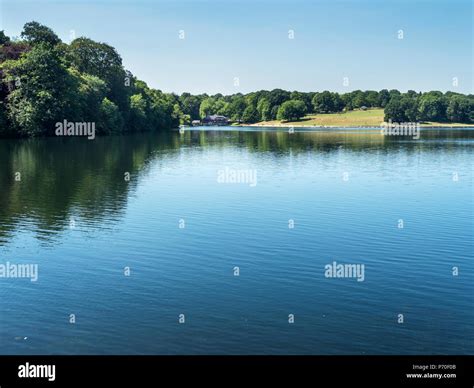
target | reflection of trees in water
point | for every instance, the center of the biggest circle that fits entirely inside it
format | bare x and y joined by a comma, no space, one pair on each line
281,142
66,177
61,178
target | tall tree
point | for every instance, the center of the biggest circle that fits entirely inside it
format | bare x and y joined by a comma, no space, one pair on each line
323,102
291,110
44,90
34,33
237,107
103,61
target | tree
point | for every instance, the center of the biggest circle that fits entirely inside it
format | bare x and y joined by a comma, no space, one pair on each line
44,90
221,107
237,108
207,107
111,120
91,92
402,109
45,81
384,98
103,61
460,109
3,38
190,105
34,33
264,109
274,112
432,107
305,97
358,99
276,97
337,102
394,111
323,102
5,129
371,98
138,113
394,93
291,110
411,94
185,119
410,108
163,111
250,115
347,101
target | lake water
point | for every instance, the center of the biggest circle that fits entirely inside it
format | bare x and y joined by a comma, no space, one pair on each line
185,229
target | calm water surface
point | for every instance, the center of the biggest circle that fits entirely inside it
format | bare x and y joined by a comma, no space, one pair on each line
75,215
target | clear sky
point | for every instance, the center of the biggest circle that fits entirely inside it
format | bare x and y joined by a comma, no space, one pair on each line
250,40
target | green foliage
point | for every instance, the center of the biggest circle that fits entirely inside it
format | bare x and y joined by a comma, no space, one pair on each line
371,98
432,108
307,98
383,98
190,105
460,109
42,90
214,105
138,116
3,38
110,120
185,119
4,127
237,108
264,109
102,61
402,109
207,107
327,102
250,115
291,110
44,81
91,93
94,58
34,33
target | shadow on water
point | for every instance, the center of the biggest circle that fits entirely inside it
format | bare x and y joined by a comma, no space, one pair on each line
64,178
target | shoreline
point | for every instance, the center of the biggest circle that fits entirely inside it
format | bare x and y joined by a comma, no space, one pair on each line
422,126
283,125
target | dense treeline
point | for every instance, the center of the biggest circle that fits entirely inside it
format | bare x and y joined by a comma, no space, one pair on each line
432,106
44,81
283,105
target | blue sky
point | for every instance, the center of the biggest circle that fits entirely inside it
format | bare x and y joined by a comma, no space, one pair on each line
250,40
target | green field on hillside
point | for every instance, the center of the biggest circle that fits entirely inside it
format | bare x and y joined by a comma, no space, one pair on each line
354,118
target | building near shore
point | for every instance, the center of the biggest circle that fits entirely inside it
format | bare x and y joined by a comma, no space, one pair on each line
215,120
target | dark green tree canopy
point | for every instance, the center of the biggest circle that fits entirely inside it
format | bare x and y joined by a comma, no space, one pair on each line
3,38
291,110
34,32
94,58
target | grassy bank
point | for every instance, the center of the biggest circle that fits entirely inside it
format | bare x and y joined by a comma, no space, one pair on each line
355,118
